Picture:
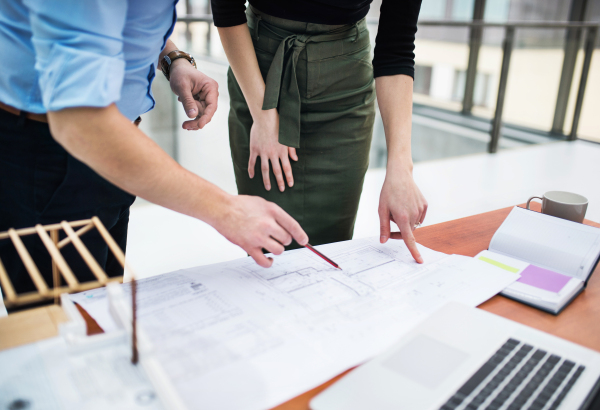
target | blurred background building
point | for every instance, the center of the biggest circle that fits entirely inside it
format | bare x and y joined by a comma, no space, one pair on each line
500,88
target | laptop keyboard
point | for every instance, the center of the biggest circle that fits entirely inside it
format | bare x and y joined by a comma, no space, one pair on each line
518,376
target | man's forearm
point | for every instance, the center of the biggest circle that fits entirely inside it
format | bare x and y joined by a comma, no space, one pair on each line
394,96
117,150
169,46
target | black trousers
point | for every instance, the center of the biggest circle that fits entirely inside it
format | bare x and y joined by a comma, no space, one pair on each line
40,183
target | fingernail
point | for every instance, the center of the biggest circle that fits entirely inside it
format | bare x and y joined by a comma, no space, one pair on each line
291,184
192,113
281,188
268,187
383,238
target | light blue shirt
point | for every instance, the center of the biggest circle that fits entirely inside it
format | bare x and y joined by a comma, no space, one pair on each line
74,53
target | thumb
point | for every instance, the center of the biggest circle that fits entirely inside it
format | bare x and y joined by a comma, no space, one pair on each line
384,225
292,153
189,104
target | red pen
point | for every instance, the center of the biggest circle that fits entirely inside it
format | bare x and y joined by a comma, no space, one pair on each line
335,265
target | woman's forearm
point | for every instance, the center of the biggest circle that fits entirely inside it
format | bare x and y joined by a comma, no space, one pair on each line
401,201
264,134
394,96
239,49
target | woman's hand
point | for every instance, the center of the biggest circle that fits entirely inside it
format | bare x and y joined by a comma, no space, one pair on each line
264,134
401,202
264,143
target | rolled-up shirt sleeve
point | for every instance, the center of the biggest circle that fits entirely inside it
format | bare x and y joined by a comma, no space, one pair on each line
79,51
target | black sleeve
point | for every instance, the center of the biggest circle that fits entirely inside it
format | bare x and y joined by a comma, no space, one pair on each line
395,41
228,13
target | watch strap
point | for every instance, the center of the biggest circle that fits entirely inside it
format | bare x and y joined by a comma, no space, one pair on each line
165,63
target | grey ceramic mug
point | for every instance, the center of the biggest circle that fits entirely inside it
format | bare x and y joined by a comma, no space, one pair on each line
565,205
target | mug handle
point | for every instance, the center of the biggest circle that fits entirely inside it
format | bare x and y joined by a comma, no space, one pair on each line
533,197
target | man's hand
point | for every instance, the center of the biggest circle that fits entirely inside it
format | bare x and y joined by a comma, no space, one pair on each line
401,202
198,93
255,224
120,152
264,143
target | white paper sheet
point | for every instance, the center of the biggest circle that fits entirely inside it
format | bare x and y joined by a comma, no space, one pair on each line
49,376
3,311
238,336
95,302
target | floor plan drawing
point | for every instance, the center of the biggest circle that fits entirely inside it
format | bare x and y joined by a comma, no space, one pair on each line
236,322
363,259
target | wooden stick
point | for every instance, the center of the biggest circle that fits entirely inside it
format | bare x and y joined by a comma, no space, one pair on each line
114,247
134,350
55,273
80,232
85,254
57,258
9,290
29,231
39,282
32,297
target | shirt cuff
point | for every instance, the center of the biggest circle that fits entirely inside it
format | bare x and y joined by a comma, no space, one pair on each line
80,78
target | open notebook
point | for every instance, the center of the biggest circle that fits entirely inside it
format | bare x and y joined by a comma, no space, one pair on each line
554,257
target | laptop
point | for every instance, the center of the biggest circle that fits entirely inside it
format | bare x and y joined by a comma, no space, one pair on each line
465,358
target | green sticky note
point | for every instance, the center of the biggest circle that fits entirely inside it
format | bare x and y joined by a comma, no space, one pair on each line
499,264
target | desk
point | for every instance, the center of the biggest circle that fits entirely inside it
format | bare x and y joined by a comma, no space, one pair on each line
466,236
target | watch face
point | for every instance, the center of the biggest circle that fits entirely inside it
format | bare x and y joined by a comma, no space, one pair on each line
165,65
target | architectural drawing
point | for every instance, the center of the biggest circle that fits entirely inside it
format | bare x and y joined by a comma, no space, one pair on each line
236,323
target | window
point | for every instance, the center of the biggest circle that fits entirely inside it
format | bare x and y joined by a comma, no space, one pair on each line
480,93
433,9
496,10
422,84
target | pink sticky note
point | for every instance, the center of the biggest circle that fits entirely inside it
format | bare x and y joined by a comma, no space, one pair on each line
543,278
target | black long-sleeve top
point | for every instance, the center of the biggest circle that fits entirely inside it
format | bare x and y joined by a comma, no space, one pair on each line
395,41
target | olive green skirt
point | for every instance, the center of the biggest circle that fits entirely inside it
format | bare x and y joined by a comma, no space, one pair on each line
320,79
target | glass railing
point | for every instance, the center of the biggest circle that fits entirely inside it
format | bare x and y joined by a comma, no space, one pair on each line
507,75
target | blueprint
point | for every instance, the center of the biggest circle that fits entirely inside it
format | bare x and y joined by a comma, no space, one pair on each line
237,336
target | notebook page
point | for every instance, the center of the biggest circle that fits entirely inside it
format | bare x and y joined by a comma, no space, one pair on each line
563,246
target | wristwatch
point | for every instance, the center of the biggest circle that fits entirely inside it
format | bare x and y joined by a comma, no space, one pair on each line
165,63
